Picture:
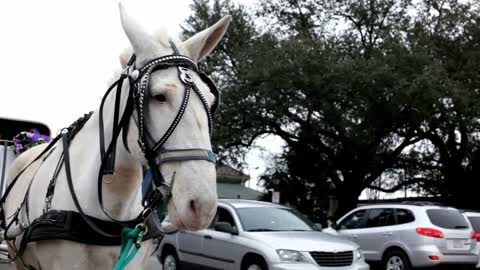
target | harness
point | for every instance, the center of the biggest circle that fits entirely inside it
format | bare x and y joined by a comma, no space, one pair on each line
76,225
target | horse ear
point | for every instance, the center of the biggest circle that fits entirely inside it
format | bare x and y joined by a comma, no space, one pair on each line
125,57
202,44
142,43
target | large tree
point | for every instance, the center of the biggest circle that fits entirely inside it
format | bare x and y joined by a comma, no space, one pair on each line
449,31
349,87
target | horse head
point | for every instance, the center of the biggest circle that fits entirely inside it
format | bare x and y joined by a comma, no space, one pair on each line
193,200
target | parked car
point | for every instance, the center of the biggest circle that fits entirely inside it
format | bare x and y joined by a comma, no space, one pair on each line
409,235
252,235
474,219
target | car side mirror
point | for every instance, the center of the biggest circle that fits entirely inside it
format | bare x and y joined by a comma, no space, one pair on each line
226,228
318,226
334,226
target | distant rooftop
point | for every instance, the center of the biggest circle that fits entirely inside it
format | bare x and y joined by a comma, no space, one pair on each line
225,170
227,174
237,191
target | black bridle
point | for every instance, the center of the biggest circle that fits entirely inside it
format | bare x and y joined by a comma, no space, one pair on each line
154,151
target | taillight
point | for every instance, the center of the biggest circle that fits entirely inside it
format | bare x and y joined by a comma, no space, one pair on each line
430,232
476,236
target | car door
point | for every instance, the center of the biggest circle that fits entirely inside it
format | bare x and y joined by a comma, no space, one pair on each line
190,245
352,224
222,250
378,232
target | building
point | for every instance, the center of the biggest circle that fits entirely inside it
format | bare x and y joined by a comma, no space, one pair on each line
230,184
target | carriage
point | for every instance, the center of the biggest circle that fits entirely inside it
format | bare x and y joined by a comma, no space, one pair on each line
9,129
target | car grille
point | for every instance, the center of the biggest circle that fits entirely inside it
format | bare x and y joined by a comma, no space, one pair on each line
333,259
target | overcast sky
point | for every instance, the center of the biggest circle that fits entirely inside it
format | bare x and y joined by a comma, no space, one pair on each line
57,56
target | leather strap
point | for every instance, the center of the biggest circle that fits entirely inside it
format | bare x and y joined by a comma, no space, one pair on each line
70,225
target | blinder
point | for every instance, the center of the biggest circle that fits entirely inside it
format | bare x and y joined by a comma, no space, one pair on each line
142,93
213,89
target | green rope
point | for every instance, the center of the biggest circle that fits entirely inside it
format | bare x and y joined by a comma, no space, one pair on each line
130,237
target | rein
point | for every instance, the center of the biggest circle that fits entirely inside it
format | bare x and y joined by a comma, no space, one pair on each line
154,152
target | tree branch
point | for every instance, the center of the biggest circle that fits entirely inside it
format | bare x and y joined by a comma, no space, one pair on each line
358,25
305,123
289,138
304,21
439,143
399,186
249,142
390,159
422,165
462,151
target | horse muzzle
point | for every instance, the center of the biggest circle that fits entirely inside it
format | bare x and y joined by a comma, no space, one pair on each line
192,214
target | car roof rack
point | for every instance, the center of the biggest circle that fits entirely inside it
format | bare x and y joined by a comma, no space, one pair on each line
469,210
423,203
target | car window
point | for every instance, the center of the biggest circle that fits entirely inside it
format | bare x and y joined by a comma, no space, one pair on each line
223,215
356,220
404,216
447,218
475,221
261,219
380,217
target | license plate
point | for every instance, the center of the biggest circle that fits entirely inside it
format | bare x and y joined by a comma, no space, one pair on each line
459,244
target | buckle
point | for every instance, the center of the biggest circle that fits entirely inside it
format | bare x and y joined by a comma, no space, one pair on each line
142,145
185,76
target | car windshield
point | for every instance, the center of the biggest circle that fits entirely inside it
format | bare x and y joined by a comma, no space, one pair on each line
268,219
475,221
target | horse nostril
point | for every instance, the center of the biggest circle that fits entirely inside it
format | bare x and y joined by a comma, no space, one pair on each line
193,206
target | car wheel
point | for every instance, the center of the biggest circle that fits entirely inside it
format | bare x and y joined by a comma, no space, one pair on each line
170,261
396,260
255,264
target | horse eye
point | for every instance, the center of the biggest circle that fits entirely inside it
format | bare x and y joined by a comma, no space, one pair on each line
161,98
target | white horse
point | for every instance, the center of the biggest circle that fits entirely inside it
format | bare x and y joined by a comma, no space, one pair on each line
194,198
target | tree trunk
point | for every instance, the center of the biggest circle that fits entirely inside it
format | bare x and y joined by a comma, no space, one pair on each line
464,194
347,196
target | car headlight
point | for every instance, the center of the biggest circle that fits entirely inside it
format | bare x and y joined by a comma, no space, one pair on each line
291,255
357,254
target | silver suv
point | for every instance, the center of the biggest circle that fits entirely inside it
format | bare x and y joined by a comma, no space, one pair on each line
252,235
406,235
474,219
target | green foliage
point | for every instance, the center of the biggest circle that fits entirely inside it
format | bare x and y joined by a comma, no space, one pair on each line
449,31
358,90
